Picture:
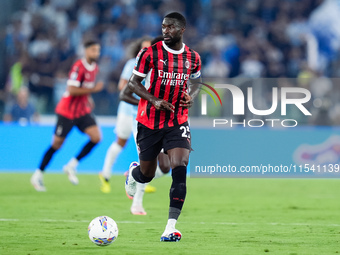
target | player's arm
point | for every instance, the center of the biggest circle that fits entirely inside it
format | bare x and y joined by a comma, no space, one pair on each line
195,84
79,91
195,87
126,74
127,96
135,85
122,84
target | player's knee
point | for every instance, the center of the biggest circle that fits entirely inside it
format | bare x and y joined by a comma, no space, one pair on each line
57,144
121,142
164,166
183,161
96,139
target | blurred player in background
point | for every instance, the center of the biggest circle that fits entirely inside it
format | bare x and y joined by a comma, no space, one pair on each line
74,109
126,123
163,113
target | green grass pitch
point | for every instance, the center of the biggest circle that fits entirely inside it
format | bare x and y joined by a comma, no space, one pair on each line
220,216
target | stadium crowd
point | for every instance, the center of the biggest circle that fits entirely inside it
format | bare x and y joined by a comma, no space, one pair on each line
246,38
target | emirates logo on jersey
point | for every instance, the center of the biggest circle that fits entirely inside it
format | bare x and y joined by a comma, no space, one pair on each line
173,78
187,64
173,75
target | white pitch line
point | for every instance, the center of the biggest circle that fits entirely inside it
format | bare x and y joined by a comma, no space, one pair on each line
76,221
203,223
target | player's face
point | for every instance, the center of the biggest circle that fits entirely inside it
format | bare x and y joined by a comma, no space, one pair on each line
93,52
172,31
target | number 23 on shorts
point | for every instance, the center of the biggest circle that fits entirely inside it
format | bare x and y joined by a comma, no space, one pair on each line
186,131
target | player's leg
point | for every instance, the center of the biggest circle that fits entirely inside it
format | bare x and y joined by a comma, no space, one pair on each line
179,158
140,173
177,146
141,188
137,200
142,181
37,177
111,155
87,125
163,165
149,145
56,144
123,131
62,129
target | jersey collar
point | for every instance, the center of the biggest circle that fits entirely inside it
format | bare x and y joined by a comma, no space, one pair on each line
88,66
173,51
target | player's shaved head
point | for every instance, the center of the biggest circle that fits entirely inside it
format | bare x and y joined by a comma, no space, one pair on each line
178,17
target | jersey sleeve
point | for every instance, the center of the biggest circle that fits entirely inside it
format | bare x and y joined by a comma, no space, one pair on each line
143,63
127,70
196,72
76,76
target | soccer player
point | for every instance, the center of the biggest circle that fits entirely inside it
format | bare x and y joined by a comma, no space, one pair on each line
163,113
74,109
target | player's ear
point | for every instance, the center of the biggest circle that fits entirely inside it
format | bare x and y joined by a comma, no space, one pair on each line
182,30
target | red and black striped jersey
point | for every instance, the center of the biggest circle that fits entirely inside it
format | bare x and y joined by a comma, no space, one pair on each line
82,74
166,73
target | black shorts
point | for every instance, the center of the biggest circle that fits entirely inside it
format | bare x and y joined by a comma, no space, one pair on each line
64,125
151,141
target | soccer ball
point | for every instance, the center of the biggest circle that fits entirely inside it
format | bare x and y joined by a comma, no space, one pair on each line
103,230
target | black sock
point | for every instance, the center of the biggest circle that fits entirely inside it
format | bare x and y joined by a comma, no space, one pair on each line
174,213
47,157
139,176
86,150
178,191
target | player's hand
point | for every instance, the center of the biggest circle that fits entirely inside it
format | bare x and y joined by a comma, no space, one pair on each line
187,102
99,87
163,105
